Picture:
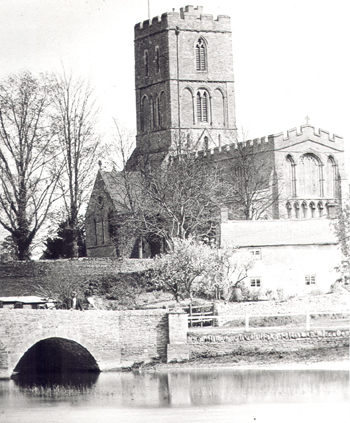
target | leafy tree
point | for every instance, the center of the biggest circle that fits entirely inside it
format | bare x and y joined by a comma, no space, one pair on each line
74,122
186,269
28,176
342,229
234,266
63,243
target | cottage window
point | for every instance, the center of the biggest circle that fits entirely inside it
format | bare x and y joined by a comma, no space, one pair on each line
201,55
255,282
256,253
310,279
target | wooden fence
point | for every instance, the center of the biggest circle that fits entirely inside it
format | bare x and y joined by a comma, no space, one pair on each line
308,320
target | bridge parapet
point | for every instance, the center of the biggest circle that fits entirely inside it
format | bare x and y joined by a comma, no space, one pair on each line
112,337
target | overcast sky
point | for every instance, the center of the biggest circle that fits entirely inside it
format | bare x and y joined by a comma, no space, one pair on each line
291,58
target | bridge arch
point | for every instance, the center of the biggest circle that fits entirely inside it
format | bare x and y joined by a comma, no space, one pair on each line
17,348
56,355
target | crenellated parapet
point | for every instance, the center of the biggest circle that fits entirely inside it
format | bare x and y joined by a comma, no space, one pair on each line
308,132
276,142
189,18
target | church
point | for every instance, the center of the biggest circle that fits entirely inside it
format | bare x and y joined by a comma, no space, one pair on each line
184,85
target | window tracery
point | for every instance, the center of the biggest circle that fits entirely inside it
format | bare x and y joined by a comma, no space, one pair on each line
201,55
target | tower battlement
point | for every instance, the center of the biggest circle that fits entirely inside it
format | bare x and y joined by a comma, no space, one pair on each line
189,17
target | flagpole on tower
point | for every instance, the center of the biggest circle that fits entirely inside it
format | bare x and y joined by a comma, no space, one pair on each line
149,11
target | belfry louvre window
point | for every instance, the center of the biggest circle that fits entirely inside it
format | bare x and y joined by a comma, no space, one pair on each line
202,106
310,279
201,56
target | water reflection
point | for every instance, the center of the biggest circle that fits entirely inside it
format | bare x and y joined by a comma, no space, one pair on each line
73,380
197,388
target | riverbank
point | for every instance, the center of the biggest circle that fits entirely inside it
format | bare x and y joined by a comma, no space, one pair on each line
323,359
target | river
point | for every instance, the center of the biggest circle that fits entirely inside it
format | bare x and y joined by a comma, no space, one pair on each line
225,395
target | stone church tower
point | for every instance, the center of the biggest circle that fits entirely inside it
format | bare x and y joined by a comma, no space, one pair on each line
184,81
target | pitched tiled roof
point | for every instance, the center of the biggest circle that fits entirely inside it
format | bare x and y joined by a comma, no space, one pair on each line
249,233
117,184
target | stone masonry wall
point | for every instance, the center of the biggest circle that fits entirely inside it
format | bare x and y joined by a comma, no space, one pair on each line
113,338
20,278
224,342
143,334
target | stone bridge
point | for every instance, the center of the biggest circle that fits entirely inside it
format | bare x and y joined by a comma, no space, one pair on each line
113,338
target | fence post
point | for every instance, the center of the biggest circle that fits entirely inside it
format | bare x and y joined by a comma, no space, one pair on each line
247,321
191,315
307,320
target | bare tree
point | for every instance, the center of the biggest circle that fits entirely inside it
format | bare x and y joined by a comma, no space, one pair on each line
74,121
136,218
28,176
163,199
186,189
250,184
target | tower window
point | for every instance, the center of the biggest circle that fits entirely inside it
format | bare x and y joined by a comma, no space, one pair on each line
202,106
201,64
157,60
146,63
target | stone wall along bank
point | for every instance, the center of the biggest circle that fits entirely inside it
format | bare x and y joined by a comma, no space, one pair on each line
221,343
19,278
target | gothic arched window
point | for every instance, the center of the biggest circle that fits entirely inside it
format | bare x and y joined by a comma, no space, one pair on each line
289,177
309,177
296,210
304,208
320,207
144,114
162,111
151,113
289,210
312,209
201,55
330,179
155,112
95,232
158,112
157,60
202,106
146,60
187,118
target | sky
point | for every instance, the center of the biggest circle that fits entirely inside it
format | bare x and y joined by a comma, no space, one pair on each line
291,58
